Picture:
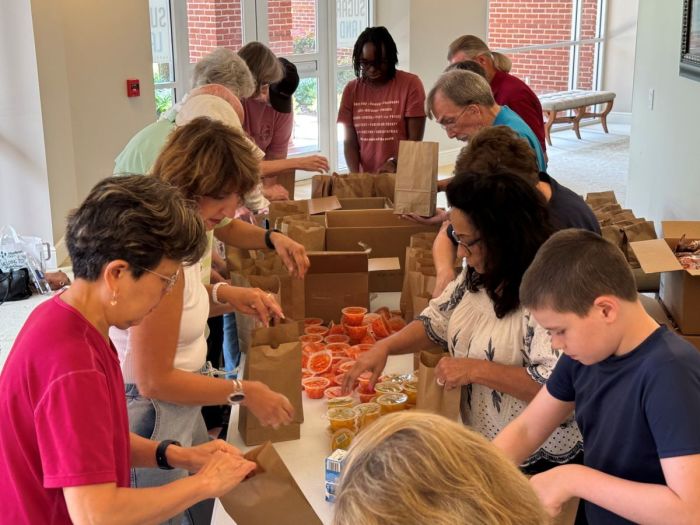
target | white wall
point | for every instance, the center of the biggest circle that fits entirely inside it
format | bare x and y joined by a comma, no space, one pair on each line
663,180
24,192
619,51
85,51
423,29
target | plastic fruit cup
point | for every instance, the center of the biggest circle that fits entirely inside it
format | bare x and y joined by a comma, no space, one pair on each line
346,365
367,340
357,350
304,374
392,402
410,388
356,333
338,349
315,386
342,438
316,329
353,315
380,328
396,324
309,349
337,361
336,329
363,380
337,338
388,388
313,338
369,318
320,362
312,320
366,396
332,392
341,418
341,402
366,413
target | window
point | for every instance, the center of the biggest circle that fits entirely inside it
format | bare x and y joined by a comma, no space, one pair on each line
555,45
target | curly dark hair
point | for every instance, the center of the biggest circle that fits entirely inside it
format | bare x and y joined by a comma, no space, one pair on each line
512,220
137,218
384,49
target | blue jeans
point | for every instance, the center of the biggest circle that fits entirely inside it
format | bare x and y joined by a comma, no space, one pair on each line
231,350
158,420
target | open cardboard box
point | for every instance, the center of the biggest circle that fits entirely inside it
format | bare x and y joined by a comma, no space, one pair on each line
679,289
387,234
365,203
337,279
279,209
656,310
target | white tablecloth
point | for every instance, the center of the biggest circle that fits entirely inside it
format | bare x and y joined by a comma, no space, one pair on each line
305,457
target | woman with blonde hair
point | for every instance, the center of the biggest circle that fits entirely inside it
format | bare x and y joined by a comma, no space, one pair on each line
508,90
415,468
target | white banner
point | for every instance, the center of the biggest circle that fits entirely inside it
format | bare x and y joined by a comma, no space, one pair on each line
161,40
353,18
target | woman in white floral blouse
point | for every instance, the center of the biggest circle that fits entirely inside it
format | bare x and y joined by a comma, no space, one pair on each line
500,356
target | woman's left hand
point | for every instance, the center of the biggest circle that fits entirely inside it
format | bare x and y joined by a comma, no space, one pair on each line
292,253
453,372
439,217
194,458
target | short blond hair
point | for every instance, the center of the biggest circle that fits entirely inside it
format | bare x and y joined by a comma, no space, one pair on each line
473,46
413,467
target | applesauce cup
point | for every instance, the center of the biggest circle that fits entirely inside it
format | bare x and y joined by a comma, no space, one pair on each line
389,403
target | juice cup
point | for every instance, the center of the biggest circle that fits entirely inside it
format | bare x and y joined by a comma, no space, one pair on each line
341,418
392,402
353,315
366,413
315,386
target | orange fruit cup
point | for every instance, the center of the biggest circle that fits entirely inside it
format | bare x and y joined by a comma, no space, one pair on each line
380,327
316,329
332,392
346,365
366,396
337,338
337,361
356,333
315,386
335,329
312,321
396,324
310,338
357,350
320,362
353,315
338,349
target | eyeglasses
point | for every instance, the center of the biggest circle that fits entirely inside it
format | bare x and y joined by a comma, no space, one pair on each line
377,64
169,281
449,125
467,245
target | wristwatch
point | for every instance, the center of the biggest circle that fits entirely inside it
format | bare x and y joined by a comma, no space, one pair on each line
268,241
161,460
237,396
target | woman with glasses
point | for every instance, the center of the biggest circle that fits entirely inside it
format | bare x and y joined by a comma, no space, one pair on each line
65,445
381,107
163,359
499,358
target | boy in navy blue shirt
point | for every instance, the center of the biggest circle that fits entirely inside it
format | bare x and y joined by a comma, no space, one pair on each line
635,387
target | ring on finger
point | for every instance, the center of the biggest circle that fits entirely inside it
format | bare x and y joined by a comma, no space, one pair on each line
440,381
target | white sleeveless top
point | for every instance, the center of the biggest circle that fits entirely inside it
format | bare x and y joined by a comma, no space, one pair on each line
191,353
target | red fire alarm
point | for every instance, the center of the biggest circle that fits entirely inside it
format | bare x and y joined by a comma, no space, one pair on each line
132,87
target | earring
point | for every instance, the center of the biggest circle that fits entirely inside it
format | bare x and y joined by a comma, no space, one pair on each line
113,302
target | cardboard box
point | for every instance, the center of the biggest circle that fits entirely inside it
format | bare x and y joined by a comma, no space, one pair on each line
365,203
387,234
679,289
279,209
656,310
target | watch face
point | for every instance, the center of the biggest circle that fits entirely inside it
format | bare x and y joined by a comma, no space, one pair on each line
235,399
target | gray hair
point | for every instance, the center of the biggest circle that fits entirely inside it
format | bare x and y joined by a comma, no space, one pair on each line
473,46
223,66
462,88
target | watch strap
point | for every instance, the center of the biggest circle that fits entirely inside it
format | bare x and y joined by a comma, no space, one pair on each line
161,459
268,241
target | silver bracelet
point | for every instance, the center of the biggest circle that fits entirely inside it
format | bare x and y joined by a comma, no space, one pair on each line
214,293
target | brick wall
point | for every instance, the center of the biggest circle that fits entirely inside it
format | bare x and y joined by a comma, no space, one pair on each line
518,23
213,23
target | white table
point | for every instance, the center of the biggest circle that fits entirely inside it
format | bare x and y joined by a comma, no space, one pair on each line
305,457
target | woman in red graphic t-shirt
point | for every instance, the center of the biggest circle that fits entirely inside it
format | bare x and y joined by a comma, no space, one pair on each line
381,107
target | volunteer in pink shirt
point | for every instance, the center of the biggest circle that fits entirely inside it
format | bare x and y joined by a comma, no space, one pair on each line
381,107
65,445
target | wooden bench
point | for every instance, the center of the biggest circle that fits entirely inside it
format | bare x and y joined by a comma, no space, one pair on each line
579,101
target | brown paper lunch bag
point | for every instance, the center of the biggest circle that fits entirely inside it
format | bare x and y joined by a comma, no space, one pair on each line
431,396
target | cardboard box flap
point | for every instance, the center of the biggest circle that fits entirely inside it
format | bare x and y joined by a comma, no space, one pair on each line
676,229
323,204
338,262
365,218
655,256
383,264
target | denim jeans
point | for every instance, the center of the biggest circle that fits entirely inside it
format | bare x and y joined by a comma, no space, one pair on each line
232,351
159,420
